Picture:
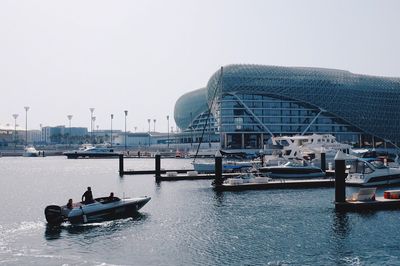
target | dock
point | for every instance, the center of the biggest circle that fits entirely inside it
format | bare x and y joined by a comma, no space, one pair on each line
379,203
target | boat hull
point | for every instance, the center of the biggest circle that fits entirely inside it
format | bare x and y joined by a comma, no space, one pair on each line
97,211
82,155
386,180
292,172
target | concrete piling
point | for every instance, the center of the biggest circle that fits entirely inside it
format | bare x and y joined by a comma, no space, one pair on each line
323,161
158,167
218,169
121,164
340,178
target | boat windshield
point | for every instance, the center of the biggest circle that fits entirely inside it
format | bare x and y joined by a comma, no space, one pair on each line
378,164
295,164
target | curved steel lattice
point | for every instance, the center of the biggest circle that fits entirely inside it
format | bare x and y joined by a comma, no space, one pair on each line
368,103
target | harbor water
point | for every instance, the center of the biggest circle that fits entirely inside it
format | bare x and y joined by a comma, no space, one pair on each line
185,223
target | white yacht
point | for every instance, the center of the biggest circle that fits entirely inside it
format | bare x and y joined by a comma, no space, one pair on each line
308,146
30,151
92,152
371,172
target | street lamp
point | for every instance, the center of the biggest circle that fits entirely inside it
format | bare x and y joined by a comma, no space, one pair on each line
135,128
112,117
126,114
69,137
94,136
154,129
168,130
149,120
15,130
91,124
26,125
41,134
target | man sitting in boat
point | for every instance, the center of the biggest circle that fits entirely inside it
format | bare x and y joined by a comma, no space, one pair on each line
88,196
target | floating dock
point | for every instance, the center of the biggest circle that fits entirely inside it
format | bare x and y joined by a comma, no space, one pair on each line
379,203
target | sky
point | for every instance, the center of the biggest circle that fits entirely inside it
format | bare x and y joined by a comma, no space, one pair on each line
63,57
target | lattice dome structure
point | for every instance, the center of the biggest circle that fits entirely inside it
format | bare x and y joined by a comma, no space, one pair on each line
368,103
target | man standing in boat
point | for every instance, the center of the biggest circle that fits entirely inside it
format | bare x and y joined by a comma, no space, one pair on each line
88,196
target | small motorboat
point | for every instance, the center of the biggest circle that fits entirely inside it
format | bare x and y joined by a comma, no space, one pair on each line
101,209
371,172
292,169
30,151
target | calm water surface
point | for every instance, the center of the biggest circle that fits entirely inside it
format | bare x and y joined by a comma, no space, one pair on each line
185,223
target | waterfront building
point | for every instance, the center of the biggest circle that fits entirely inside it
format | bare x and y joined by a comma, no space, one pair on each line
251,103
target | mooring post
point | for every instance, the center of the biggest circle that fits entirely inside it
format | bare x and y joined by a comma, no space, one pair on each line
262,160
158,167
323,162
340,177
121,164
218,169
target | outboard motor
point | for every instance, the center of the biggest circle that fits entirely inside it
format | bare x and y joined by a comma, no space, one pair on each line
54,214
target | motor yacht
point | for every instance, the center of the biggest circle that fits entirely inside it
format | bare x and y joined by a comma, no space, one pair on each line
371,172
91,152
292,169
101,209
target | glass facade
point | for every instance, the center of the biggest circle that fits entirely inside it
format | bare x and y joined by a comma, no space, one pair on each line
252,102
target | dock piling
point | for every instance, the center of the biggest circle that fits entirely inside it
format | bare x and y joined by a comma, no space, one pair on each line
323,162
121,164
218,169
158,167
340,178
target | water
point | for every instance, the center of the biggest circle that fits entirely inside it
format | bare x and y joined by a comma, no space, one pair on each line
185,223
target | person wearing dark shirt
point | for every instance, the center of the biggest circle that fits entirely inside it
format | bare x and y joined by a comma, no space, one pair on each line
88,196
69,204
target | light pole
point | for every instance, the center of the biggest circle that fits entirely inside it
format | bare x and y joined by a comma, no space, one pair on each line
91,124
126,114
191,130
154,129
168,130
135,128
15,130
69,137
94,136
149,120
26,125
112,117
41,133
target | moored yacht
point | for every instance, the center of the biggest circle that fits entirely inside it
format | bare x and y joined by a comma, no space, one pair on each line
371,172
30,151
92,152
292,169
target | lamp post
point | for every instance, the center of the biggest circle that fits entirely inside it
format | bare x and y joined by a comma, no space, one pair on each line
15,116
112,117
69,137
26,125
94,136
126,114
168,130
41,133
154,128
91,124
191,130
148,121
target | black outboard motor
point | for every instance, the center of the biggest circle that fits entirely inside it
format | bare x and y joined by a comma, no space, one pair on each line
54,215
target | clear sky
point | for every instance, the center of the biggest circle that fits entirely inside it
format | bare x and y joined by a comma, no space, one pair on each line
63,57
